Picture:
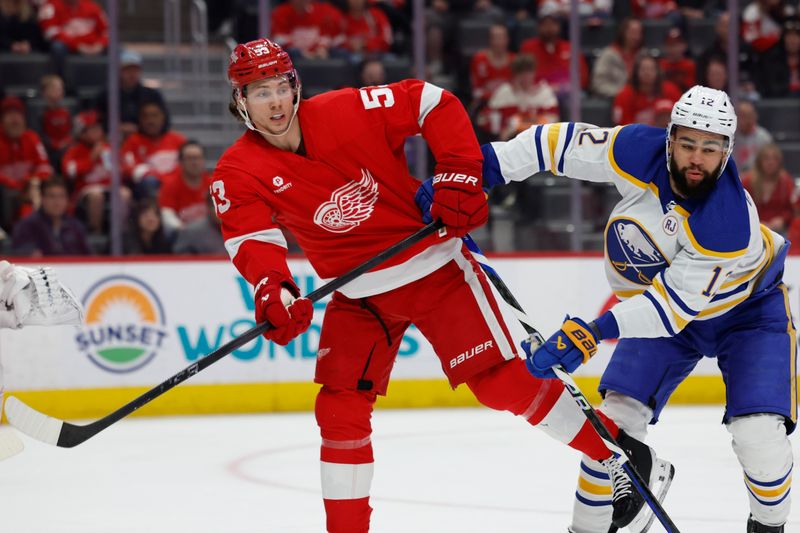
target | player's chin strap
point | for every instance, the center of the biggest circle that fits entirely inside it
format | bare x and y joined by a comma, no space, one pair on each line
642,487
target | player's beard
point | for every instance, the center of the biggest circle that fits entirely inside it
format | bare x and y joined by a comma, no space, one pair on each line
696,191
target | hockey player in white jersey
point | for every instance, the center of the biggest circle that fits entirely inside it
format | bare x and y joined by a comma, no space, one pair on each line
697,275
31,297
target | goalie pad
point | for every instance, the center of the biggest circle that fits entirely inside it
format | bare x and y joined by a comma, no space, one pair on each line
35,297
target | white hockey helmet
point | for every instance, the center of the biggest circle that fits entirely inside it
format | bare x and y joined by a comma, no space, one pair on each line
705,109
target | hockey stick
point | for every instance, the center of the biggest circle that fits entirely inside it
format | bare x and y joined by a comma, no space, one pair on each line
641,486
10,444
65,435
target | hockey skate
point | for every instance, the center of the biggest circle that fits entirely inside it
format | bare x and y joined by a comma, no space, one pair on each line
630,510
757,527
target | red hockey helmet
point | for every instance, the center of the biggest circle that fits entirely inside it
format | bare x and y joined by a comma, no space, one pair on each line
257,60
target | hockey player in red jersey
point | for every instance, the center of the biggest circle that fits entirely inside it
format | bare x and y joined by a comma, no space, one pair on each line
332,170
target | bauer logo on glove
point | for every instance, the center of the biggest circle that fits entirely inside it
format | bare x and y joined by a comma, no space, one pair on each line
571,346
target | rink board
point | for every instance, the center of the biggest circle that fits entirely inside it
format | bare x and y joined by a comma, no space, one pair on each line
147,320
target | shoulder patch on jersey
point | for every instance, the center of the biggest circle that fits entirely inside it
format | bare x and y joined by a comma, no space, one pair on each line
632,251
635,150
720,225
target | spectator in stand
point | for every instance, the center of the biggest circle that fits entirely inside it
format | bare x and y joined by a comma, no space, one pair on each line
662,111
772,188
87,166
635,103
73,27
438,63
700,9
716,74
372,72
308,28
750,137
19,28
203,236
132,94
519,103
676,67
56,124
490,67
183,195
613,67
552,54
152,152
146,233
791,47
23,160
592,12
657,9
477,9
761,24
718,50
367,31
778,70
50,230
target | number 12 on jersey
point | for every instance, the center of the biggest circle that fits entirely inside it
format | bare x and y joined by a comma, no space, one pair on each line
714,279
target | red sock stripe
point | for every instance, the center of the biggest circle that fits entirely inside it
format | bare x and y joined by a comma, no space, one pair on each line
354,456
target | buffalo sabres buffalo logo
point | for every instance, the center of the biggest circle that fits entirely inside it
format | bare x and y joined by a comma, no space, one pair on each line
632,252
349,206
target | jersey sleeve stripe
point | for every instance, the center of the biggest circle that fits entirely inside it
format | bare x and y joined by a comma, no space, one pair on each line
570,131
553,131
708,311
431,96
613,162
537,136
679,320
270,236
769,252
674,296
661,314
706,251
722,295
628,294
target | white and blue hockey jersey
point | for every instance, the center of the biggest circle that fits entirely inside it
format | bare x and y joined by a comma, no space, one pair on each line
670,260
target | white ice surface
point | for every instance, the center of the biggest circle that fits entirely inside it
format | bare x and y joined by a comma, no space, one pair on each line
459,470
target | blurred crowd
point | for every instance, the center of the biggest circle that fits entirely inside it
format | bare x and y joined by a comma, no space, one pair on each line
55,158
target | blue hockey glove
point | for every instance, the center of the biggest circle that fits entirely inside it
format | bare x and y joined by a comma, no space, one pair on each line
424,200
573,344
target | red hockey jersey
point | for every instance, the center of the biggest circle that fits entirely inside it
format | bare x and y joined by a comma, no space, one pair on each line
188,203
22,159
87,168
78,24
351,195
148,156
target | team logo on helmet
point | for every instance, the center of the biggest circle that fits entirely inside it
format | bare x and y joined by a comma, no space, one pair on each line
632,252
349,206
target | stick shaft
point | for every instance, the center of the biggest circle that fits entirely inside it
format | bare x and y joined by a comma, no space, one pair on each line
72,435
642,487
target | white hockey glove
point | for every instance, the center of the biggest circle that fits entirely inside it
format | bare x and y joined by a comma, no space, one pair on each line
35,297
